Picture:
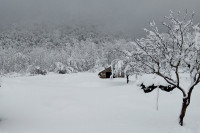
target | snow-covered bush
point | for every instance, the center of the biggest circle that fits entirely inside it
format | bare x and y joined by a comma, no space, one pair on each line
60,68
36,70
70,70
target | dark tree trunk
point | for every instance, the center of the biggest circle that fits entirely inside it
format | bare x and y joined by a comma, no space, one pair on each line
183,110
186,103
127,77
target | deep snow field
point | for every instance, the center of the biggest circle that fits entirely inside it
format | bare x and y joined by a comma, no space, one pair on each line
84,103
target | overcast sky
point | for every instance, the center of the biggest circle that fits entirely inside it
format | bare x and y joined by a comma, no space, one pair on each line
129,16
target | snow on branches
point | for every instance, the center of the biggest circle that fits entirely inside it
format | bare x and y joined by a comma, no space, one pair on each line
168,54
117,67
171,54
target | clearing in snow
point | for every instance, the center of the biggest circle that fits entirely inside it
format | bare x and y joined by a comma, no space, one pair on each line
84,103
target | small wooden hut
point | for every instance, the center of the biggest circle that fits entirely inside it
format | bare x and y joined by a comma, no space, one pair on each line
106,73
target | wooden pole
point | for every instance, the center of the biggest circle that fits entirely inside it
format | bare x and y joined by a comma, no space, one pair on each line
157,99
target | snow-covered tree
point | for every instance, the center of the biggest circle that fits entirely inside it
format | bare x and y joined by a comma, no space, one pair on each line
117,67
172,55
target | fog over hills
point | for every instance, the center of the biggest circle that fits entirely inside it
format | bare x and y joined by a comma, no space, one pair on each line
127,16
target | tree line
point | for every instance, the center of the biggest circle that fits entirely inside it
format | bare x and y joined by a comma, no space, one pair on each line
77,48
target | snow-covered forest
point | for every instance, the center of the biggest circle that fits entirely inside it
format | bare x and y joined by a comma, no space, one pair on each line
75,48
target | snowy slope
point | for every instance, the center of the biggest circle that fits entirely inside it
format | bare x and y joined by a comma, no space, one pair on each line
83,103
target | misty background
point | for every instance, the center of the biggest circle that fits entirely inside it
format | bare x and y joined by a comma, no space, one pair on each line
67,36
111,16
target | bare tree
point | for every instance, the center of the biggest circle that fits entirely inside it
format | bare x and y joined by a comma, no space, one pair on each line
172,54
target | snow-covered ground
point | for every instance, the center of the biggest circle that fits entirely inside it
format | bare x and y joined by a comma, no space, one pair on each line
83,103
